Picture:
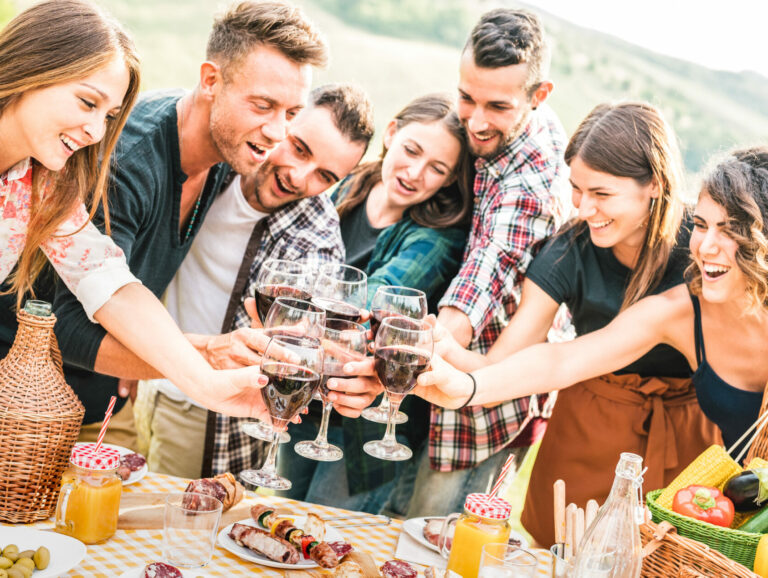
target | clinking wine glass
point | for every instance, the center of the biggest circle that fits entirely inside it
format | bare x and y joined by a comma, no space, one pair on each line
294,367
287,316
403,349
342,290
393,301
344,342
281,278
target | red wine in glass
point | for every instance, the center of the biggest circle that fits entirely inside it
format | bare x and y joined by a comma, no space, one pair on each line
266,295
398,368
379,315
290,388
330,370
335,309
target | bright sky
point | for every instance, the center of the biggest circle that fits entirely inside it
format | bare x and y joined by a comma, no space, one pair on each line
725,35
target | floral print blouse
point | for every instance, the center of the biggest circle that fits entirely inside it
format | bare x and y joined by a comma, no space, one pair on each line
89,262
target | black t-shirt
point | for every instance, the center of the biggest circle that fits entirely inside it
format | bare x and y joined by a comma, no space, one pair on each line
591,282
359,237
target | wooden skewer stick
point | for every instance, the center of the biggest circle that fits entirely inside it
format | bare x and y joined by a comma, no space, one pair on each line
559,493
570,526
592,508
578,531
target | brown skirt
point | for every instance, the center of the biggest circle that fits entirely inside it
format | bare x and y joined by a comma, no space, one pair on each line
594,421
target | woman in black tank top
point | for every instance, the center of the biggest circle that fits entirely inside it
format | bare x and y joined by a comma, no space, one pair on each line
724,304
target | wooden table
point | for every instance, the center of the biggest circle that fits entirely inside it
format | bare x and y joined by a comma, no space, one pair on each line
129,549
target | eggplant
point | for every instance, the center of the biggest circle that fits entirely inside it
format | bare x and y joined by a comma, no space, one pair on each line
748,490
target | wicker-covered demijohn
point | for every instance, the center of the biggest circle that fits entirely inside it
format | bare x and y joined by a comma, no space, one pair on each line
40,418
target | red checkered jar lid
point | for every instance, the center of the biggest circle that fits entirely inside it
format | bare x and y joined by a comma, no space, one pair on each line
487,506
84,456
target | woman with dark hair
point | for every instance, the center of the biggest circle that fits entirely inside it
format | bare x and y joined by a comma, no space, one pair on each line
69,76
629,241
403,222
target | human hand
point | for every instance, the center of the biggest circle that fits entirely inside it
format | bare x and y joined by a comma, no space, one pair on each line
445,345
128,388
250,308
444,385
235,392
350,396
240,348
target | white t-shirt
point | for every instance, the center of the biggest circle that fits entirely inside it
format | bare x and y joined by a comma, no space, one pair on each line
199,293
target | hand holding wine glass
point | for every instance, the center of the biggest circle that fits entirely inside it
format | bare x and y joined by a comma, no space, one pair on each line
388,301
294,367
403,349
344,341
342,290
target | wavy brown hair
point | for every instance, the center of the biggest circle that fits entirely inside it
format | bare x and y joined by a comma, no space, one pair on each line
55,42
739,184
633,140
450,205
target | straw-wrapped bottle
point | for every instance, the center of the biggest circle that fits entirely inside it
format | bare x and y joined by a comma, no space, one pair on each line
40,418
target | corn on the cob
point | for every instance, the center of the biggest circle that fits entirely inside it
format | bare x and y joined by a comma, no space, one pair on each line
712,468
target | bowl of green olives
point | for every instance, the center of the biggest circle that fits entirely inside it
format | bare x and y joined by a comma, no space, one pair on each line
32,553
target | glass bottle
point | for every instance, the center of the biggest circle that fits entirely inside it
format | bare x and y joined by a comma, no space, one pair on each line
89,502
611,546
485,521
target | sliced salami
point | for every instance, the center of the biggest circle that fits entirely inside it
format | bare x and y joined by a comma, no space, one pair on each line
398,569
134,461
207,486
341,548
161,570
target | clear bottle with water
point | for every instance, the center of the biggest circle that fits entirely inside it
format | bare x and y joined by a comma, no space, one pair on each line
611,546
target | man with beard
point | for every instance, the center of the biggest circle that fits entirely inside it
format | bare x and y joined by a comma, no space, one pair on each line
169,166
277,212
521,194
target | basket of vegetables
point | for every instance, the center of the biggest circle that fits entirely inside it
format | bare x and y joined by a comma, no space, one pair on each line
715,502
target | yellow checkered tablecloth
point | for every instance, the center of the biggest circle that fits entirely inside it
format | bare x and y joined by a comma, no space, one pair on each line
129,549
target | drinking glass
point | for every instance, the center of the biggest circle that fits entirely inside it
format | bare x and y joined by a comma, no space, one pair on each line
190,523
505,561
392,301
342,290
281,278
403,348
294,366
344,341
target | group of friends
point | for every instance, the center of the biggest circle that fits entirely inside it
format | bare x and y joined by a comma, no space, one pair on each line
157,212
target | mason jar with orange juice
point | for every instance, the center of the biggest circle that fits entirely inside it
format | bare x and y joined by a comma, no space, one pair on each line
89,500
485,521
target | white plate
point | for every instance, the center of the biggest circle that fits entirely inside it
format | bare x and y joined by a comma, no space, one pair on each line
66,552
135,476
415,529
138,572
331,535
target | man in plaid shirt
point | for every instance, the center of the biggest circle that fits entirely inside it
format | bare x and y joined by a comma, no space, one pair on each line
277,212
521,194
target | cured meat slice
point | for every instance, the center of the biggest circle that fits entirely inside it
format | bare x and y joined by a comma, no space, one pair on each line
265,544
134,461
223,487
341,548
161,570
398,569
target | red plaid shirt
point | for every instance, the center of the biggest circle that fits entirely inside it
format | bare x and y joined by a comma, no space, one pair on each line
521,196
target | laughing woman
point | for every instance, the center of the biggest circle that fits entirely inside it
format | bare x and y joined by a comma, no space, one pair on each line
68,78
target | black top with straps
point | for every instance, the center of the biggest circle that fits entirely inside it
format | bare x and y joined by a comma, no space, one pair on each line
732,409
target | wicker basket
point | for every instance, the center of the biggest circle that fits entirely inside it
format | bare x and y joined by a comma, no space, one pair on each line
40,418
665,554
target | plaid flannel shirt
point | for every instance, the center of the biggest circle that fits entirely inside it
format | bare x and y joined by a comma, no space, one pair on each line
306,231
521,196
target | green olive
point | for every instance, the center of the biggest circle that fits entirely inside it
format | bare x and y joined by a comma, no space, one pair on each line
5,563
11,552
42,558
24,569
27,554
26,562
15,573
3,573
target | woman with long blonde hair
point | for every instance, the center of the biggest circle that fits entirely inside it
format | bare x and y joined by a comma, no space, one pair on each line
69,75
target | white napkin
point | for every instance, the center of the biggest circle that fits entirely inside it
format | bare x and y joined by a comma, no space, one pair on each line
410,550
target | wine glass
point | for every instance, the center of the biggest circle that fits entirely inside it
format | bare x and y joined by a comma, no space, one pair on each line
342,290
344,341
388,301
403,349
294,366
278,277
287,316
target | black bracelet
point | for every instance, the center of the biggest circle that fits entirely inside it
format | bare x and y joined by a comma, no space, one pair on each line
474,391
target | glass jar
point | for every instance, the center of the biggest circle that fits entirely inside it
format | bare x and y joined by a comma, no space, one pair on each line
485,521
89,500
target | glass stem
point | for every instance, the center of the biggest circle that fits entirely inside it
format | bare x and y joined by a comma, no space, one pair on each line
269,463
389,435
322,435
384,405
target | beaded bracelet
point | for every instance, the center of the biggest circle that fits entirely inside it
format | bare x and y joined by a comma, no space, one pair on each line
474,390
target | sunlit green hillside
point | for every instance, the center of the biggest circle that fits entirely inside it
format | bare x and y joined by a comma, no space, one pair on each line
710,110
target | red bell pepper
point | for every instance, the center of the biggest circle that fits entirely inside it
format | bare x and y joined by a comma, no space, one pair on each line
705,504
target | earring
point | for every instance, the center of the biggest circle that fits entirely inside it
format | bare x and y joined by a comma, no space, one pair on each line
653,204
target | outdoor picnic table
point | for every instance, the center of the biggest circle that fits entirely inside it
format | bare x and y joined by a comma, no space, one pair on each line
129,549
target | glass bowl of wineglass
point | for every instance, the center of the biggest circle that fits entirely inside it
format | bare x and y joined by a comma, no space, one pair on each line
281,278
342,290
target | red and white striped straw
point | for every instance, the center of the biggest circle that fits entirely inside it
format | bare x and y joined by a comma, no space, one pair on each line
107,417
503,474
